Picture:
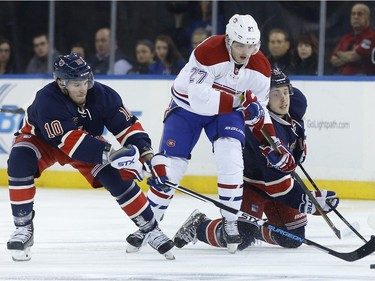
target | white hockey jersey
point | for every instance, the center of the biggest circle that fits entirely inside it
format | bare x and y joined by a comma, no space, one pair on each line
209,80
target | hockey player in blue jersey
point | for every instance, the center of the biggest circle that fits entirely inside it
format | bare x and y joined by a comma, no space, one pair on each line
64,125
268,191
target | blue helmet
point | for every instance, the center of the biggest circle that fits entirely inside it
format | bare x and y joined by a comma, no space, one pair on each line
72,67
279,78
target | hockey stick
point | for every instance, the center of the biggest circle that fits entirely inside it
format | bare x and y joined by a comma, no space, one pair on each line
359,253
304,187
334,209
12,110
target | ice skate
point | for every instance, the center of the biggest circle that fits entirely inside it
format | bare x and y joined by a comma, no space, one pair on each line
20,243
160,242
231,235
188,231
135,241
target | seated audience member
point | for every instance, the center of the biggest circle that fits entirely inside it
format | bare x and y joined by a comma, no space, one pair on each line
81,49
306,56
198,36
280,53
169,61
184,28
39,62
7,65
352,55
144,53
100,61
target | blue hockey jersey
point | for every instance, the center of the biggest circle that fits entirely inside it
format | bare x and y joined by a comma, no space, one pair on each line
290,131
76,130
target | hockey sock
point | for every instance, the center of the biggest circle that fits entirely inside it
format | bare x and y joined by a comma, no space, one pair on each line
159,201
209,232
128,195
21,183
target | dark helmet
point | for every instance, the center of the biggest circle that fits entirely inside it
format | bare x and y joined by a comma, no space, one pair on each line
72,67
279,78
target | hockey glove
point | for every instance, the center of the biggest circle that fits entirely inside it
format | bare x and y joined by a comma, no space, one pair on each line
252,110
281,160
127,158
327,199
159,166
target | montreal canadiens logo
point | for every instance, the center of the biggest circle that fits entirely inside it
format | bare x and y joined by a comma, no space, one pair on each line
171,143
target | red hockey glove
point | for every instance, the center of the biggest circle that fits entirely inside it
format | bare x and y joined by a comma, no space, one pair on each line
159,166
281,160
252,110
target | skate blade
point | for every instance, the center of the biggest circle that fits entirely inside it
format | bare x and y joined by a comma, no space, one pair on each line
232,248
21,255
169,255
131,249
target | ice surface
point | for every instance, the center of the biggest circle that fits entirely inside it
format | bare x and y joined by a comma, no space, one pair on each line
80,235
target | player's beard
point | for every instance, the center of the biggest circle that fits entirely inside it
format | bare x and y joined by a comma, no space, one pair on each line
79,100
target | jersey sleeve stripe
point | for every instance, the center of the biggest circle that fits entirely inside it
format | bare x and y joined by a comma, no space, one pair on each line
71,141
181,97
223,88
129,131
226,103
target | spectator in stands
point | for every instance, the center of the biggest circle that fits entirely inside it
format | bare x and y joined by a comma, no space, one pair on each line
144,54
306,56
39,62
198,36
184,29
169,60
280,53
81,49
100,61
7,65
352,55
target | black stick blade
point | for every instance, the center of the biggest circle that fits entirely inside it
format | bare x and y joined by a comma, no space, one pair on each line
364,251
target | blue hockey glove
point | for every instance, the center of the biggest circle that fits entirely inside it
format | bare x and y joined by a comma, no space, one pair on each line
159,166
252,110
127,158
283,161
327,199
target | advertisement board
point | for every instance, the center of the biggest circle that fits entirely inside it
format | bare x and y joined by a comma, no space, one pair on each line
338,123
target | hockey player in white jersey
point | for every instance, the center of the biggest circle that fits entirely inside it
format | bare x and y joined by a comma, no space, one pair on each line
223,87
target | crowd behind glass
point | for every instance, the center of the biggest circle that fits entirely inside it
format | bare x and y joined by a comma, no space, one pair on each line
157,37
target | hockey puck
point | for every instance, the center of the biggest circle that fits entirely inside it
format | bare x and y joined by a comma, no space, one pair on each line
372,266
